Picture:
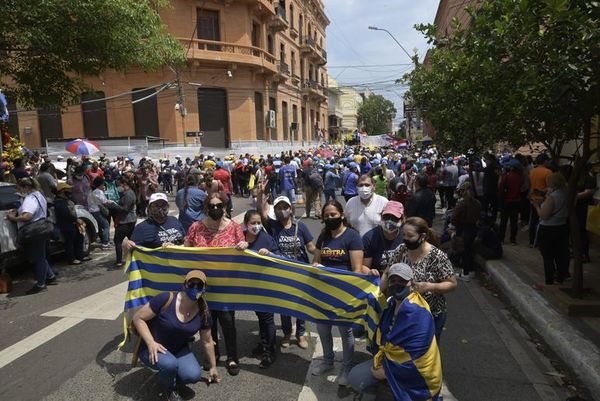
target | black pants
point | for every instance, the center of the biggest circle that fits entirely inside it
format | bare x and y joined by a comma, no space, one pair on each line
449,194
509,211
122,231
227,321
468,232
490,204
533,223
266,327
525,210
73,243
582,211
553,242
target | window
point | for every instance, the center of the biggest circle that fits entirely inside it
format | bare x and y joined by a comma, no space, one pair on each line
295,121
302,70
285,120
270,48
303,119
95,124
282,53
145,113
292,16
293,63
255,34
273,106
214,117
208,28
50,121
259,116
300,24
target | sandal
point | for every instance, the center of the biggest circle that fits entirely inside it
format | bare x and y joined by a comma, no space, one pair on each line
232,368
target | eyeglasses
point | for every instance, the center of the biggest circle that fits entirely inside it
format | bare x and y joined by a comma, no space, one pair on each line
198,285
215,206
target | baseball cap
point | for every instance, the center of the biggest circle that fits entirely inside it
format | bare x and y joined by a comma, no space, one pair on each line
401,270
283,199
393,208
197,274
158,196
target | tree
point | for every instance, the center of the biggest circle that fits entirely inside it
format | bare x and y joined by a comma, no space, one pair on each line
48,46
375,114
523,71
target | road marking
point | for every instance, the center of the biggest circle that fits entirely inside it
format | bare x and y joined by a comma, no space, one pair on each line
103,305
30,343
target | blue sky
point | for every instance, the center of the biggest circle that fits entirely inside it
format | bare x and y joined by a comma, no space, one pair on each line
351,43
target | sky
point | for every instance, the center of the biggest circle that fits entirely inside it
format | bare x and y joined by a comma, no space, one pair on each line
351,43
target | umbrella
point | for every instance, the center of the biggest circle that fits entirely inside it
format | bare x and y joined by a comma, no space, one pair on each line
82,147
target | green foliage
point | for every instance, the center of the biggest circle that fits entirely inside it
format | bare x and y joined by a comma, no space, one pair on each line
375,113
48,46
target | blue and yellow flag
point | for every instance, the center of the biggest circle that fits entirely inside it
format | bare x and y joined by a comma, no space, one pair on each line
245,280
406,347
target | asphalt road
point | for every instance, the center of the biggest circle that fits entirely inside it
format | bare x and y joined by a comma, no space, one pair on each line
71,352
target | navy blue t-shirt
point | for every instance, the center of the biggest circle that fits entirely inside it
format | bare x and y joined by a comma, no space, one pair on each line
152,235
287,241
335,252
167,329
264,240
380,248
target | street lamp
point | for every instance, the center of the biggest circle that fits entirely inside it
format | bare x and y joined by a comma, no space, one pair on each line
374,28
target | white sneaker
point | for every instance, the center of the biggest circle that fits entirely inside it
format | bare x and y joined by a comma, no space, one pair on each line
343,378
322,368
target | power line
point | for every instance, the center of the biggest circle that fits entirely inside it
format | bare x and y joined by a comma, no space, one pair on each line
370,66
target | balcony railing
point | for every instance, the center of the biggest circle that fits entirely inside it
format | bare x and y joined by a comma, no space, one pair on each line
228,52
309,41
284,69
324,54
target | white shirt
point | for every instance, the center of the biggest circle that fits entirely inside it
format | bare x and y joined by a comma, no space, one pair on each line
36,204
95,198
365,217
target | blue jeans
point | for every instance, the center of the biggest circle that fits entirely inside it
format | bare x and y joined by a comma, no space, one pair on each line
36,253
290,193
286,326
182,368
324,331
439,321
103,226
329,194
362,380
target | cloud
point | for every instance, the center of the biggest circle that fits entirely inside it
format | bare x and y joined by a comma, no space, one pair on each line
350,42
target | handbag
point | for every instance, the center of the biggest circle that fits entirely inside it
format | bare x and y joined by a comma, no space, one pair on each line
38,230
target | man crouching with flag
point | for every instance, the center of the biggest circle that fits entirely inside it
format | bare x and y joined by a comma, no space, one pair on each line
405,348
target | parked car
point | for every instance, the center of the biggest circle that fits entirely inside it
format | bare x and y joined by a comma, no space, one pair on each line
10,252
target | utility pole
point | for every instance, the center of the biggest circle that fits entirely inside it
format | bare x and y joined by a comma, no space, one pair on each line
180,105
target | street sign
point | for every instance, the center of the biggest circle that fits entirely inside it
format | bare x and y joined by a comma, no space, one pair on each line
194,134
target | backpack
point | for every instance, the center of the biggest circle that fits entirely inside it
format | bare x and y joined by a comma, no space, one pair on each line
315,180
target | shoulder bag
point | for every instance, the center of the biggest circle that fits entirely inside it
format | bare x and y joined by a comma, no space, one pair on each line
38,230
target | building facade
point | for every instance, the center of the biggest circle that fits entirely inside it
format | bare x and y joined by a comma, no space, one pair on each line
255,72
349,100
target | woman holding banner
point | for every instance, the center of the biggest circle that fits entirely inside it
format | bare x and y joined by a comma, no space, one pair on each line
341,247
216,230
294,240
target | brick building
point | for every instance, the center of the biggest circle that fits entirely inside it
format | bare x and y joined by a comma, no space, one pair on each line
254,67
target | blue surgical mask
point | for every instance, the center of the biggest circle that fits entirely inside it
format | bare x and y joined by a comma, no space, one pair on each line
194,293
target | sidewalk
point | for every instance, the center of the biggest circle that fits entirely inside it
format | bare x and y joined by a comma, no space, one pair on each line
574,339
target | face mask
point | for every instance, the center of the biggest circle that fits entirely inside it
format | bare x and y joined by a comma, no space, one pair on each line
390,226
158,214
398,291
412,245
364,192
216,214
333,224
283,214
255,228
194,293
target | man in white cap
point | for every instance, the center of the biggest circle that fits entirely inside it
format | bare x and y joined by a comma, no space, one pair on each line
159,229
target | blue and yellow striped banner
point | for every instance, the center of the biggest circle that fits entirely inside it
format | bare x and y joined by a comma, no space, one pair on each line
245,280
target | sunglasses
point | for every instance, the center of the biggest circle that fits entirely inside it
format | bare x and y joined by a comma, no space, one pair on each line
215,206
195,284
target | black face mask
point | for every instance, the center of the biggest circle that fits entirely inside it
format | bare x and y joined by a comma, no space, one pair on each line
216,214
398,291
412,245
333,223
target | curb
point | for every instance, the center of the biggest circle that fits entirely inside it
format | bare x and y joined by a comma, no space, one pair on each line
579,353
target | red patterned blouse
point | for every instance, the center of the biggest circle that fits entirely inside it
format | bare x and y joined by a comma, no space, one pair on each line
200,236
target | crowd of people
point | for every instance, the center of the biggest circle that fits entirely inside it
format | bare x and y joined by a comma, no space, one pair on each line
377,207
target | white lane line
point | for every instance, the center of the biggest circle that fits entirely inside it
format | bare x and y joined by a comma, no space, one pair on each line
30,343
103,305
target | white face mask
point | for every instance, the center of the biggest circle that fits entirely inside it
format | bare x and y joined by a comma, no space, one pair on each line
255,228
364,192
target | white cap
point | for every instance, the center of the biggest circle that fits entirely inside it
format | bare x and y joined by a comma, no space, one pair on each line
59,157
211,154
283,199
178,157
158,196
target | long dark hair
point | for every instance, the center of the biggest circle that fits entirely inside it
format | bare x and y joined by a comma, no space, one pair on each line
203,310
325,233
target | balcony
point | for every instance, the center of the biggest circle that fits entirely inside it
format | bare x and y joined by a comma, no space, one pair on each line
279,21
293,32
283,72
313,91
308,45
295,79
217,53
263,8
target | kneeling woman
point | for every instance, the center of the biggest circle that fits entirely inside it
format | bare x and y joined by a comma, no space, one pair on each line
166,324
